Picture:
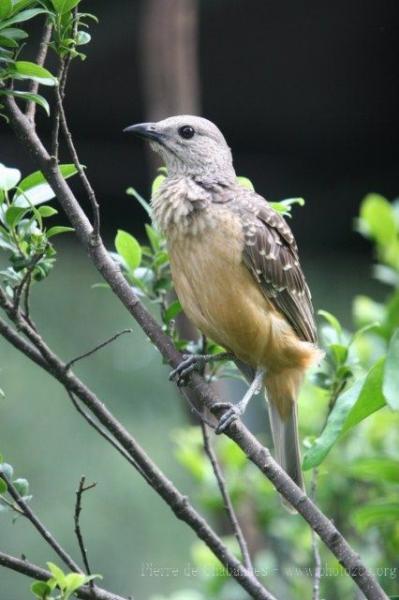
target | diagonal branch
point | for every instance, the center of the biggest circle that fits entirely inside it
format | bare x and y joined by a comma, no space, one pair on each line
255,452
226,498
40,60
180,505
78,531
38,525
34,572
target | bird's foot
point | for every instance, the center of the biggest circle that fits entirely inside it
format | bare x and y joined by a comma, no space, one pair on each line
194,362
233,412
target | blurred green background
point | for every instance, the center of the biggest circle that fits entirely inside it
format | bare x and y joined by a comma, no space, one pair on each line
126,526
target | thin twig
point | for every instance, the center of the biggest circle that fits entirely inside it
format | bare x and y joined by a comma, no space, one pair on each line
75,158
25,280
40,60
34,519
254,451
315,544
238,533
78,509
26,301
180,505
35,572
98,347
107,437
55,132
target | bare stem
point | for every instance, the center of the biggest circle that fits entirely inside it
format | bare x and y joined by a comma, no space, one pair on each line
40,353
106,436
40,60
239,535
86,183
78,509
44,532
98,347
315,544
34,572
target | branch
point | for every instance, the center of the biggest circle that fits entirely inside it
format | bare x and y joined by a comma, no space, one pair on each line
78,509
86,183
40,60
107,437
34,572
179,504
98,347
315,545
37,524
255,452
226,498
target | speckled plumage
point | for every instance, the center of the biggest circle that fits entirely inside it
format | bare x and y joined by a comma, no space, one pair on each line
236,269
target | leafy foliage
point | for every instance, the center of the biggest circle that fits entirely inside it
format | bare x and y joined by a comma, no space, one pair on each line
60,586
358,377
68,34
23,231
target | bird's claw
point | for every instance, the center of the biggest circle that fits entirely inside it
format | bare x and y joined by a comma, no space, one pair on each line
190,363
234,412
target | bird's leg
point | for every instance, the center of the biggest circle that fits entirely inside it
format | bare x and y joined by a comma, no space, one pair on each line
237,410
195,362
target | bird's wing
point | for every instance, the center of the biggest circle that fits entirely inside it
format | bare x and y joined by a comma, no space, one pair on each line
271,254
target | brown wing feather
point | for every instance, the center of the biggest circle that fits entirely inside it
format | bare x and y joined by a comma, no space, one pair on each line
271,254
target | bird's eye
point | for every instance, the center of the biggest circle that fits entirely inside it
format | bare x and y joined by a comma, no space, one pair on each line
186,132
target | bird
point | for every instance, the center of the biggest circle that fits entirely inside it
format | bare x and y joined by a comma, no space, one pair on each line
236,271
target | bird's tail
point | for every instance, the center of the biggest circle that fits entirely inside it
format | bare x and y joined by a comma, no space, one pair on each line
281,394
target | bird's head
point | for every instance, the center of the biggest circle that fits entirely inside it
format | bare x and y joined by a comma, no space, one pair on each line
189,146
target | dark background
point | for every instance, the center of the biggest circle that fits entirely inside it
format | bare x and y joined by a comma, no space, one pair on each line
306,93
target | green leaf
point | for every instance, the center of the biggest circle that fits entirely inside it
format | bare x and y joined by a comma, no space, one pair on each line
5,9
57,573
7,470
22,16
8,178
157,183
22,486
64,6
82,38
13,215
128,248
333,321
8,42
153,236
380,513
72,582
355,404
36,189
37,98
3,486
391,373
14,33
245,183
57,229
371,397
47,211
284,206
41,590
29,70
172,311
377,219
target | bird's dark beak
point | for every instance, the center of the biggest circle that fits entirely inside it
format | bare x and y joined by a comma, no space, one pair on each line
147,131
